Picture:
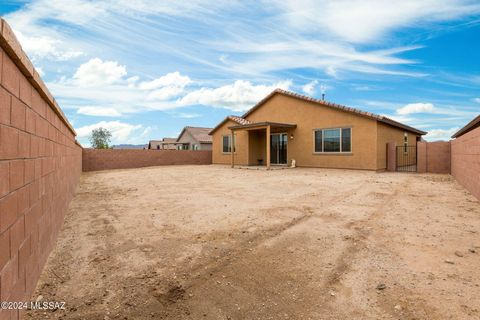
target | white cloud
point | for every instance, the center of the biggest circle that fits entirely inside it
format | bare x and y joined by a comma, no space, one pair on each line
417,108
97,72
239,96
45,47
331,71
170,79
98,111
104,86
440,134
185,115
329,56
132,80
165,87
366,21
476,100
121,132
310,87
164,93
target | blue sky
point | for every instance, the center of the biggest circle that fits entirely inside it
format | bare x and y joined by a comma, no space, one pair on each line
144,68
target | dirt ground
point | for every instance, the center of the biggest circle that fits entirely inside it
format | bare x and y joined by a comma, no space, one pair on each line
210,242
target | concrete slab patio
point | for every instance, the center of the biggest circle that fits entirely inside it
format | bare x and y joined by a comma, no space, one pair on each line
209,242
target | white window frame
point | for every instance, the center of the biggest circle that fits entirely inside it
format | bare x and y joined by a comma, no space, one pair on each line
231,144
323,144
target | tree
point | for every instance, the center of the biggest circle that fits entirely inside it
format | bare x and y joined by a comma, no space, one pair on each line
100,138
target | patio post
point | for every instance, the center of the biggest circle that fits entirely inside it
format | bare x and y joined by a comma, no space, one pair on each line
232,149
268,147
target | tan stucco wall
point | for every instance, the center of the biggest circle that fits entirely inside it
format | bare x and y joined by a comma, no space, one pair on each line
368,151
257,140
387,134
241,154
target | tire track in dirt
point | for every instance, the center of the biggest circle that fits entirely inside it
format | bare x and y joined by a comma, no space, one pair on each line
357,243
421,310
362,240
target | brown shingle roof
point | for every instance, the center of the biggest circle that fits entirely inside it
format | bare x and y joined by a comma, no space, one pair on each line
475,123
370,115
239,120
243,121
198,133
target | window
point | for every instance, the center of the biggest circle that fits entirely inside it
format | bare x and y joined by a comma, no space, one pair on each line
405,142
333,140
318,141
346,140
182,147
227,144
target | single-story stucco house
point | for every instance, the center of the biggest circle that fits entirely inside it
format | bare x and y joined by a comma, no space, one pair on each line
286,126
194,138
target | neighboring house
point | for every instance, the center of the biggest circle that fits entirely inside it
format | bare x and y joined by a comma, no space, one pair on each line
194,138
286,126
164,144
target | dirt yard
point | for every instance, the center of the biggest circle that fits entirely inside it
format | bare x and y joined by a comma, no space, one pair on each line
209,242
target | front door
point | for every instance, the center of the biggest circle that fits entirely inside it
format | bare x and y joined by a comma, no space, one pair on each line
278,148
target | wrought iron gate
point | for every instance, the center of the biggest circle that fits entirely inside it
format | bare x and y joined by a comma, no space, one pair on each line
407,158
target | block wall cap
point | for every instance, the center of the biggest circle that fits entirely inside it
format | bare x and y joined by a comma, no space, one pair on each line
12,47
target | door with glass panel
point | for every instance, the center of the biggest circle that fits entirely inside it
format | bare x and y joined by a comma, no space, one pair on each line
278,148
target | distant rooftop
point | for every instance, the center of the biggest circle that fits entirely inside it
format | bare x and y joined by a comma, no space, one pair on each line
199,133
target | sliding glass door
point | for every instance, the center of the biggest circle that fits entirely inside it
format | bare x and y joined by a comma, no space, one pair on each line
278,148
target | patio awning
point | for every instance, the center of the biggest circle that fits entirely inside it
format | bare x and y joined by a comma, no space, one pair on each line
262,125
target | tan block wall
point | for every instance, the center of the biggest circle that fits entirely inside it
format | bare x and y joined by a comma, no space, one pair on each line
433,157
40,164
466,161
241,150
94,159
422,157
391,156
438,157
